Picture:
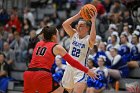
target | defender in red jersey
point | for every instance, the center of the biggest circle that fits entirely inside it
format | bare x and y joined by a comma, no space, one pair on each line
38,78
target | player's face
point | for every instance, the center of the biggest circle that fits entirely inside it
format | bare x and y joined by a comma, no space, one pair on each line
82,27
100,62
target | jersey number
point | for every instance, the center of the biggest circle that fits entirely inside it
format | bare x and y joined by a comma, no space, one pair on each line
75,52
41,51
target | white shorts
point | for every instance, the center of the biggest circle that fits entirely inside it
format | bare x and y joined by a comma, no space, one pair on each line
72,76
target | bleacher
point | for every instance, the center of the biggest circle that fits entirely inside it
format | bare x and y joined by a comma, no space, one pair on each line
16,85
134,76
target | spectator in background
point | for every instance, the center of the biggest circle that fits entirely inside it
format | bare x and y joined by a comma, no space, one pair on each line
28,15
13,24
98,40
59,70
10,38
126,30
4,17
117,8
1,43
98,85
102,52
42,24
119,68
135,51
64,39
125,46
90,65
116,12
9,53
55,19
58,61
102,47
19,45
31,45
107,5
4,72
14,11
127,19
27,26
113,43
100,8
112,28
3,33
95,55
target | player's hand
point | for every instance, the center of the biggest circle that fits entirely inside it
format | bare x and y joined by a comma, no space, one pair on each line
93,18
78,14
92,74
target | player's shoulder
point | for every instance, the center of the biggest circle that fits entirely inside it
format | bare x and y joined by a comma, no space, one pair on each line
40,42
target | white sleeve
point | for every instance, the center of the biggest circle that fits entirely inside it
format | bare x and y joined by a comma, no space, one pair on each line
108,55
106,72
117,46
138,48
116,59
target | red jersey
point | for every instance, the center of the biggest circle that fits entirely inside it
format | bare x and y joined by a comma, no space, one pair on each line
43,56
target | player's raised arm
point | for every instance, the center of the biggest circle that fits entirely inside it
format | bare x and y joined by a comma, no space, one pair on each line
92,37
59,50
67,24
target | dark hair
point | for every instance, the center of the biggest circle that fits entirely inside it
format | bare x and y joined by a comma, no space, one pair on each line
28,22
92,61
48,32
117,1
1,53
15,8
95,48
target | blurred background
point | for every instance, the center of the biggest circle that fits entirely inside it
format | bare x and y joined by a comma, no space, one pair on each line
22,20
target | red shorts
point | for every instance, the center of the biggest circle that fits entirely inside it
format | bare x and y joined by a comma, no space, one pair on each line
38,82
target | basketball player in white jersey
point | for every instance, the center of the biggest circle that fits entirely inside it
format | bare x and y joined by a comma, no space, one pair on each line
74,79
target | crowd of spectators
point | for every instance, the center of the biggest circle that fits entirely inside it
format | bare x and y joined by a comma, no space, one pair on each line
118,35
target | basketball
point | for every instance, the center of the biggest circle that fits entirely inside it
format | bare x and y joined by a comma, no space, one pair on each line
87,11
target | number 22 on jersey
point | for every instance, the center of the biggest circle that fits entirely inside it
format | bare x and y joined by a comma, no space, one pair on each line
75,52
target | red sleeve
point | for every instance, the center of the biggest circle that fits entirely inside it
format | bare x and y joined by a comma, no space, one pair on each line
75,63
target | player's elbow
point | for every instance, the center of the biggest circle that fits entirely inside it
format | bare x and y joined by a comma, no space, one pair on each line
64,24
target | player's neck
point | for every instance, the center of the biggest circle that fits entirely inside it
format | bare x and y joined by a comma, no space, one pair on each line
82,36
101,67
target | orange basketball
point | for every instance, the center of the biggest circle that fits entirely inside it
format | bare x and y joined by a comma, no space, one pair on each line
87,11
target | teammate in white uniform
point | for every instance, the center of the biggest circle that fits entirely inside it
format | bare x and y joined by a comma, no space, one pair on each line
81,42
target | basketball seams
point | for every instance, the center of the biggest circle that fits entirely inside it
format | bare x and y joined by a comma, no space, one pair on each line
90,12
84,12
87,11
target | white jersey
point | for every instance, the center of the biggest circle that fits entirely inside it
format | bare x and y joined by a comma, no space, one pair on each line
79,48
